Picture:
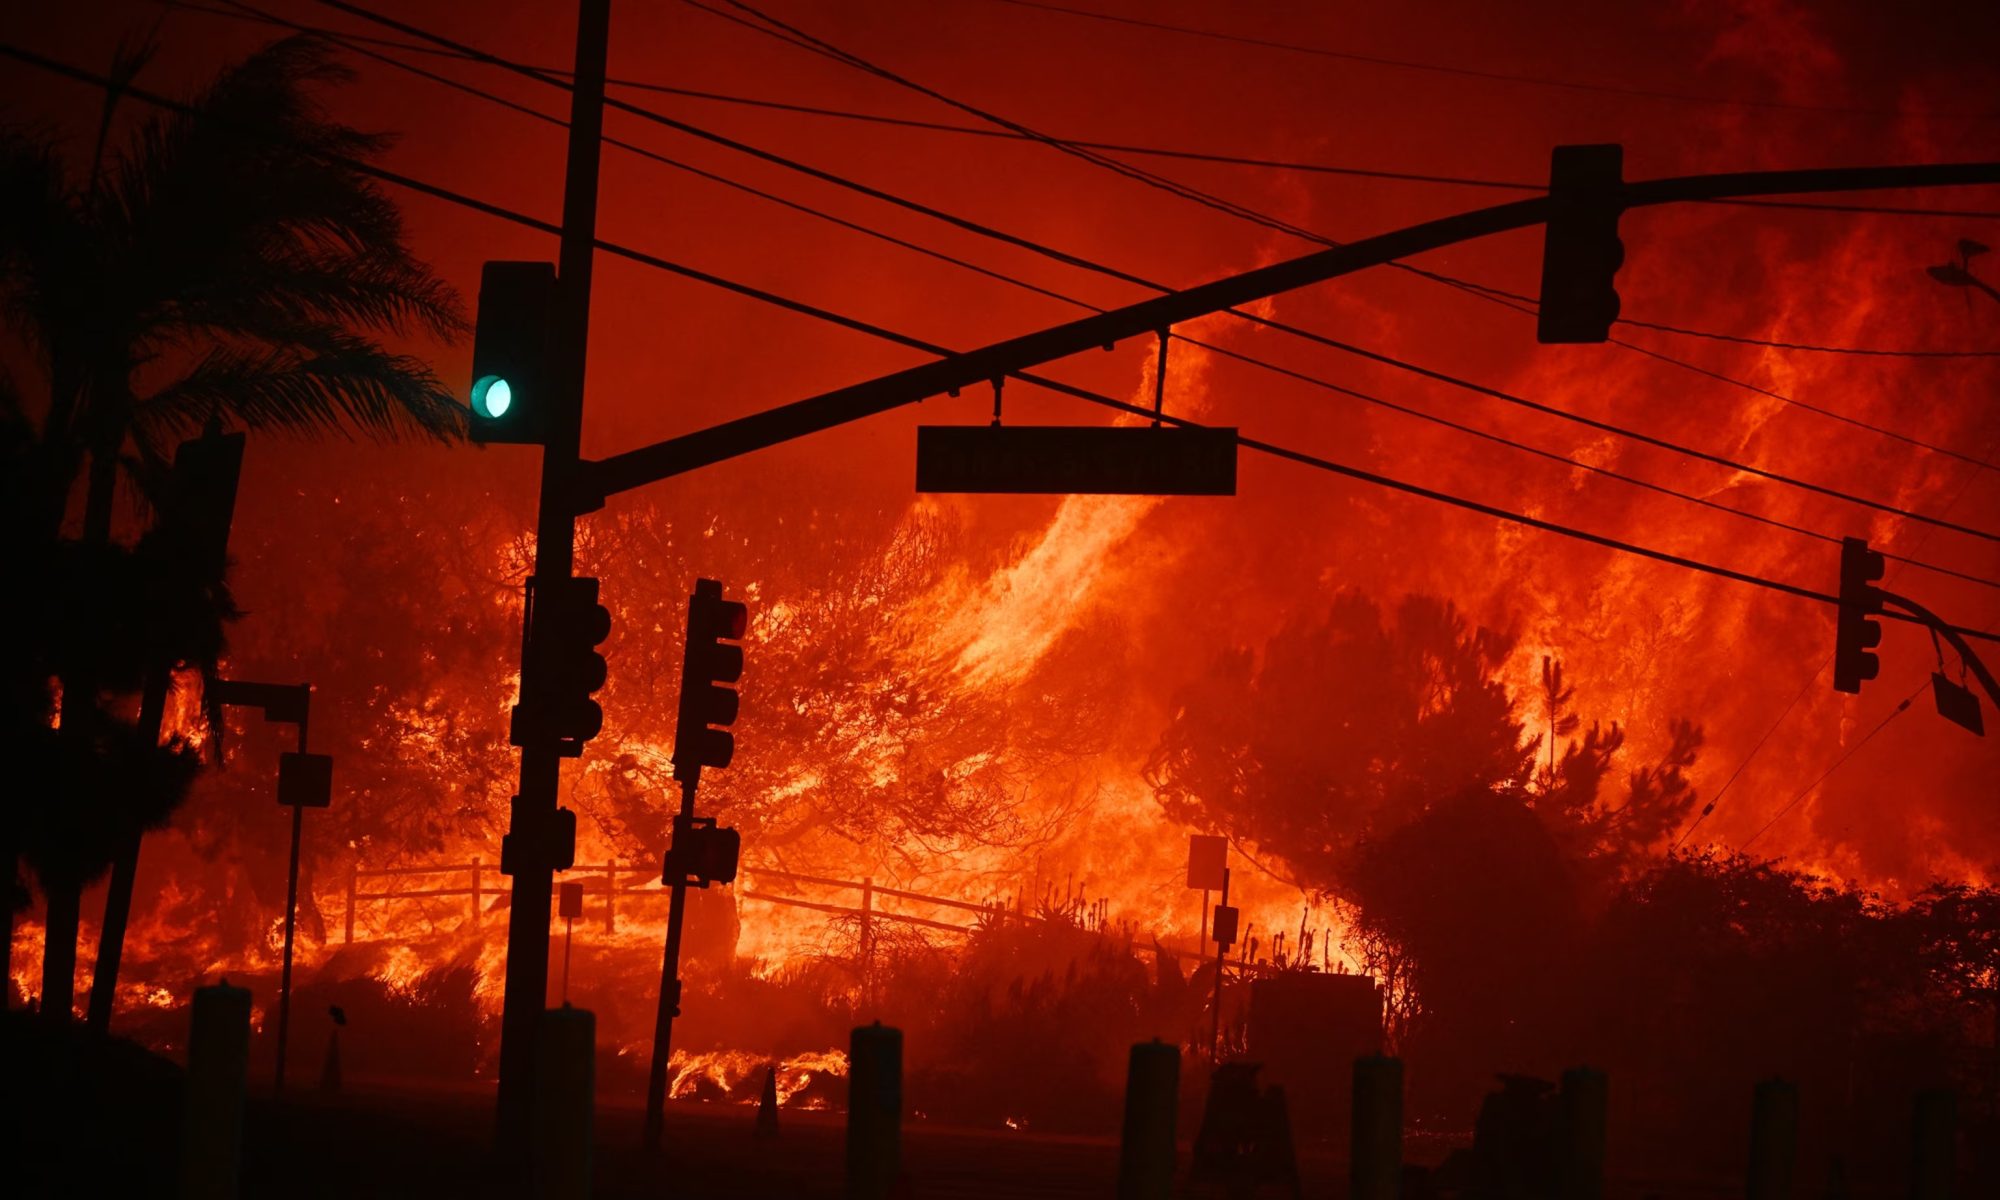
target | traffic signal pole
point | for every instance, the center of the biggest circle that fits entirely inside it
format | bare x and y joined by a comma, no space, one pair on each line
670,984
534,806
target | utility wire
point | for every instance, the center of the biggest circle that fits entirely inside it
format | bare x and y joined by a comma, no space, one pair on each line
789,33
1722,791
1268,448
1184,153
1804,688
1251,360
797,37
1496,76
343,40
1519,303
1806,347
1808,790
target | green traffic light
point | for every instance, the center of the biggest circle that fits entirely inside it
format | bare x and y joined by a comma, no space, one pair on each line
492,397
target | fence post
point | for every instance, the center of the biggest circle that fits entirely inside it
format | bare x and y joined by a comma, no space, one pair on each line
1152,1101
353,879
874,1111
1933,1145
867,940
611,896
475,892
1585,1098
1774,1136
1375,1151
217,1073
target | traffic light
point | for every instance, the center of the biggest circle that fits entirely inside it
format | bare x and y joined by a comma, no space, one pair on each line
565,626
708,708
1581,252
547,840
702,852
1856,633
510,343
201,499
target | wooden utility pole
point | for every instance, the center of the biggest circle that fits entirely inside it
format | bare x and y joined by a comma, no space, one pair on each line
531,865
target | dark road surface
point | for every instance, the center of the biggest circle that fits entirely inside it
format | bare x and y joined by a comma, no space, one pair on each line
373,1142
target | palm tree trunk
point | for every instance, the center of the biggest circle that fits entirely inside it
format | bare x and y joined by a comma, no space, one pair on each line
124,869
65,910
64,889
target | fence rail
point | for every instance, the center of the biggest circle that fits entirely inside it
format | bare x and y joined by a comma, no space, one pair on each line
647,884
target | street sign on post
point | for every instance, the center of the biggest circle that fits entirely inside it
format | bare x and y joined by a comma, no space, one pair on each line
1077,459
1225,924
305,780
1208,854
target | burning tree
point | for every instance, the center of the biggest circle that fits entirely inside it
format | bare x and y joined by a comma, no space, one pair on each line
867,741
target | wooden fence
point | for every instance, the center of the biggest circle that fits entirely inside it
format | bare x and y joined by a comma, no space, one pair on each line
614,880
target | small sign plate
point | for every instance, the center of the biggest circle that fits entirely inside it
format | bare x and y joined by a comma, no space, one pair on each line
1077,460
305,780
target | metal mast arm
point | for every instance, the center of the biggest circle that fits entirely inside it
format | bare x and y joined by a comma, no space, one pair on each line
674,456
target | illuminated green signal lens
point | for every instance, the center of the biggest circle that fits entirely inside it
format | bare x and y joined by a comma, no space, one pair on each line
492,397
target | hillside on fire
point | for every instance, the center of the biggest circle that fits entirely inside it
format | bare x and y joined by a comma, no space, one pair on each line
1001,599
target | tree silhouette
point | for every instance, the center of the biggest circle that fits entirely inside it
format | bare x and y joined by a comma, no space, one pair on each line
230,262
1383,763
1344,724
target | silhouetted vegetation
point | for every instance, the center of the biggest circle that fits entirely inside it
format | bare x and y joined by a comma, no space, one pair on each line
1528,918
229,262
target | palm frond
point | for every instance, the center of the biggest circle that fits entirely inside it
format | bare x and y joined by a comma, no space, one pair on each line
340,383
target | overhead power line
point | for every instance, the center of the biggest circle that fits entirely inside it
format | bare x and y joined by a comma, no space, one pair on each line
1523,304
793,35
1087,264
1807,347
1808,790
1440,376
1495,76
1218,157
1268,448
1251,360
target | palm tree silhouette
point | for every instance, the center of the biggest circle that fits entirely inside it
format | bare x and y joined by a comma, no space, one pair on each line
229,263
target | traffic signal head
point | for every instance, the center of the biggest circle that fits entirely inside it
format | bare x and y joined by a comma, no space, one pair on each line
510,376
1856,631
702,852
1581,251
708,707
201,498
565,626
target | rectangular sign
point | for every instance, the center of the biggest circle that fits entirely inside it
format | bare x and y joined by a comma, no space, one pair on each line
305,780
1077,459
1207,856
1224,930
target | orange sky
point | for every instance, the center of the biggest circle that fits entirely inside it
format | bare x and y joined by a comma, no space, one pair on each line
1646,642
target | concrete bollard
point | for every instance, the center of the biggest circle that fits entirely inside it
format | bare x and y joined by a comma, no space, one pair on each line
1152,1103
1774,1140
767,1105
874,1111
1586,1096
565,1083
1375,1153
1934,1145
217,1072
